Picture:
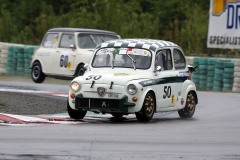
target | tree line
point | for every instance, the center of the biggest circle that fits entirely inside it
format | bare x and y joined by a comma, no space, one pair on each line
184,22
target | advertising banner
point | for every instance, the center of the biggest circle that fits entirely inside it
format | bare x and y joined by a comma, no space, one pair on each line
224,24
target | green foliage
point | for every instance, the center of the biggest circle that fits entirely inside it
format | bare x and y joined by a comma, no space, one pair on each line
183,22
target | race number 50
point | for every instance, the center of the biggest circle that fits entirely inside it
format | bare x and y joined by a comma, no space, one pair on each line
167,92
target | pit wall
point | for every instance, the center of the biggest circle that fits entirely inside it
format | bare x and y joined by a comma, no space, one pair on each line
212,74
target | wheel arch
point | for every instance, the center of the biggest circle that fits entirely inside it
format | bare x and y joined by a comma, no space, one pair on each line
39,61
154,95
189,86
195,94
78,66
35,61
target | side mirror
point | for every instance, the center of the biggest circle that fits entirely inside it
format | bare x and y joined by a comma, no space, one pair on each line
191,68
158,68
72,46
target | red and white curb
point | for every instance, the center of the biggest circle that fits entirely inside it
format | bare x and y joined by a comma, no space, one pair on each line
20,120
12,119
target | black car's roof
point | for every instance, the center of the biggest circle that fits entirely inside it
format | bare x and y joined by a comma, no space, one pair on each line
80,30
151,44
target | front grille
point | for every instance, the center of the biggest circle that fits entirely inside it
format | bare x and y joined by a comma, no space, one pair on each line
100,104
97,103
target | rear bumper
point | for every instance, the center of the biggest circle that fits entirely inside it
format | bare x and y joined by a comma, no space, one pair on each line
103,105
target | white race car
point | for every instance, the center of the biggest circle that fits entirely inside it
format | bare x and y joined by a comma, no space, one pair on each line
140,76
64,51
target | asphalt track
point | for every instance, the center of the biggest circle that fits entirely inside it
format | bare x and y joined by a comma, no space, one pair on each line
213,133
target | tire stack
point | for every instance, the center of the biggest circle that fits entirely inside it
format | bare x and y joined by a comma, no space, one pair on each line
228,76
10,61
3,58
203,69
195,76
236,82
20,60
210,73
218,76
15,59
28,53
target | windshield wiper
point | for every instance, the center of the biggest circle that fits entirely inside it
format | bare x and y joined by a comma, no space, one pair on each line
112,63
133,62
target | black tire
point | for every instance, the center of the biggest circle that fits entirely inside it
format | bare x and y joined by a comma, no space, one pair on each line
36,73
148,108
117,115
80,71
75,114
189,109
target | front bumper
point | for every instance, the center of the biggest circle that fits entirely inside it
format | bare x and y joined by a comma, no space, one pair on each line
103,105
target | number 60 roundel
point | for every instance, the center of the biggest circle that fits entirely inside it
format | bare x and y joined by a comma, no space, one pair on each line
63,61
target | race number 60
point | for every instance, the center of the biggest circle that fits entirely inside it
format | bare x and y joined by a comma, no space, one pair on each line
63,61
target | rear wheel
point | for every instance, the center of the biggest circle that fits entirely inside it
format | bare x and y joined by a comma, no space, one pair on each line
80,71
148,108
75,114
189,109
36,73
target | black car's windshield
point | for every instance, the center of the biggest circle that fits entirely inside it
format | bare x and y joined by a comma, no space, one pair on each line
122,57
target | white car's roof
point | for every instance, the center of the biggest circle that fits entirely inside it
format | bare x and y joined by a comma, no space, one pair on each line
81,30
151,44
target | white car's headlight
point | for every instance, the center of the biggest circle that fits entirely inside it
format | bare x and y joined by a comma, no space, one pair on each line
132,89
75,86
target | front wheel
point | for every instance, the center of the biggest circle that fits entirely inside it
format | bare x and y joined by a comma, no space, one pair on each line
148,108
189,109
75,114
36,73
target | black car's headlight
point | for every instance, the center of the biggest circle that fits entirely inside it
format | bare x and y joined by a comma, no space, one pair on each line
75,86
132,89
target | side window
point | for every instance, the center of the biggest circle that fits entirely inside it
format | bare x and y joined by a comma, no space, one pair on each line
179,59
51,40
67,40
164,59
86,41
92,40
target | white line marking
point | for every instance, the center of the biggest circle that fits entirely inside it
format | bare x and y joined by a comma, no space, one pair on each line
56,94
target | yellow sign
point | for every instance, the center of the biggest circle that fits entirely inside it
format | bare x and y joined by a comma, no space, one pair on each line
172,99
219,6
69,65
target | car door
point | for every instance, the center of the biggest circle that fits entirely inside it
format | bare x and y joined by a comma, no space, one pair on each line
47,51
63,60
166,86
180,66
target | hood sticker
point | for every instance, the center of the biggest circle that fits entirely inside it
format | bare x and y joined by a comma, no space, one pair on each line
121,74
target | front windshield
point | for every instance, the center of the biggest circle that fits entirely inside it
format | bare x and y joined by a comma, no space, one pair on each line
122,57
